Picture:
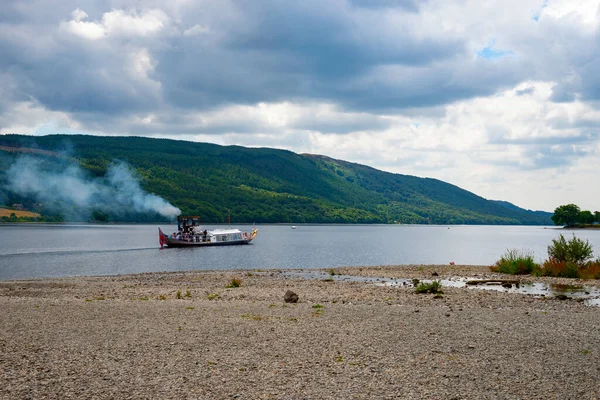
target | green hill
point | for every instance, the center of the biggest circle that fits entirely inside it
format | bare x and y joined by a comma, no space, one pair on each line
260,184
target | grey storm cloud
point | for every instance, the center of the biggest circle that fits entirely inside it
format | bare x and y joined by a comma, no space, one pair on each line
362,56
409,5
576,64
541,152
526,91
249,52
585,85
303,51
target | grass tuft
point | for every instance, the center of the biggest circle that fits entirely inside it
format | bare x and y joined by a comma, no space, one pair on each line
235,282
434,287
515,262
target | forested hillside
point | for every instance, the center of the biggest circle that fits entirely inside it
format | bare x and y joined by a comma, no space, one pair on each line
259,184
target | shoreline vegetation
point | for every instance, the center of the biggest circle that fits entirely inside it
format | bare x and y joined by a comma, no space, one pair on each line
583,226
197,334
572,258
571,216
42,220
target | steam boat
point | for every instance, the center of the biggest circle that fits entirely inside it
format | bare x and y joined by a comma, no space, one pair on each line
190,234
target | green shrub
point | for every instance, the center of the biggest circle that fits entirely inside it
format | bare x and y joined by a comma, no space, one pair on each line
434,287
235,282
515,262
566,269
575,251
590,270
561,269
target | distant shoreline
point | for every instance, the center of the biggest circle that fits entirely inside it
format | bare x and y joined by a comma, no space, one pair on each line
264,224
578,227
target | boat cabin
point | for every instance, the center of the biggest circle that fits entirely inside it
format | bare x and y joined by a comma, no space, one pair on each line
186,223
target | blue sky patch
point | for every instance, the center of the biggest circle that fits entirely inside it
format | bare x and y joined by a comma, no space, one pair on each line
489,52
537,14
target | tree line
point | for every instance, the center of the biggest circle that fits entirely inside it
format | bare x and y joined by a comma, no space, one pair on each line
572,215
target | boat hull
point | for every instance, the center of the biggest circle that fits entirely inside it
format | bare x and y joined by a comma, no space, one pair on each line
182,243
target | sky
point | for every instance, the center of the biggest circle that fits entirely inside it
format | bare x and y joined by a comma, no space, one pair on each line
501,98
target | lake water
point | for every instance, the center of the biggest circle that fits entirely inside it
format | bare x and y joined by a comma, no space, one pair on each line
36,251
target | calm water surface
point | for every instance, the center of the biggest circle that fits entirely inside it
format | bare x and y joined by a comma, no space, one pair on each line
35,251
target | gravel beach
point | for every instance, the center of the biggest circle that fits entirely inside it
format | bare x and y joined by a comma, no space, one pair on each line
186,335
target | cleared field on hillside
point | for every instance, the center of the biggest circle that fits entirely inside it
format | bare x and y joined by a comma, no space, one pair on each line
29,150
5,212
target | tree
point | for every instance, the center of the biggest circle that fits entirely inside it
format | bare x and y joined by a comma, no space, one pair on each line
585,217
597,216
566,215
99,216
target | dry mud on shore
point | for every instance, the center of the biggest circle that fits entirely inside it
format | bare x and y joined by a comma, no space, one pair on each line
132,337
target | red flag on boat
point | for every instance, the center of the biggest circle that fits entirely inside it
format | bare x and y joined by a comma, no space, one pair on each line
161,238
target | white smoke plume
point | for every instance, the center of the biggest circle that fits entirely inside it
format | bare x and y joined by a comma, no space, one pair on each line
117,192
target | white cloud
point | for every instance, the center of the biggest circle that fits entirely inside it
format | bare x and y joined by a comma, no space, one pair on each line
196,30
130,23
141,66
579,11
79,15
87,30
116,23
26,117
